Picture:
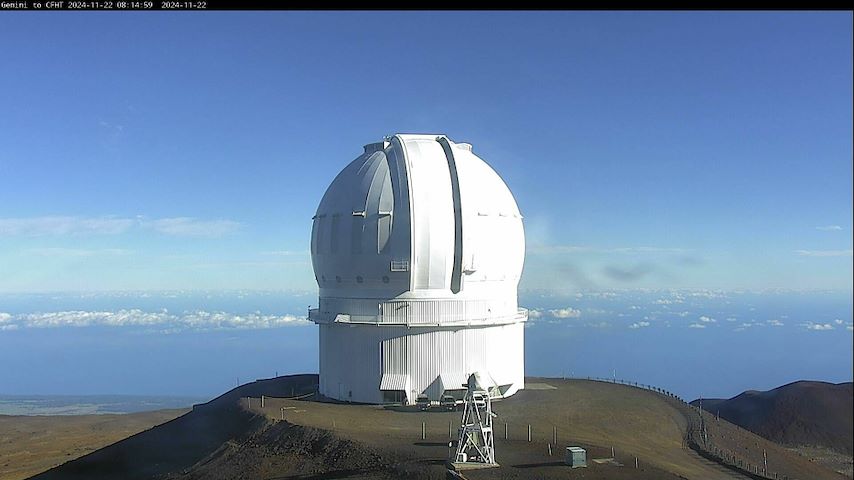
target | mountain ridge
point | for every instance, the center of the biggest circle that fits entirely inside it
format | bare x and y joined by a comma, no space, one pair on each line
800,413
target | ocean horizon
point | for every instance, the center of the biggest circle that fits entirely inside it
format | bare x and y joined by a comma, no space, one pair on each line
695,343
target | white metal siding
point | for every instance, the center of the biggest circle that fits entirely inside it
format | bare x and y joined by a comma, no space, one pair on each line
355,358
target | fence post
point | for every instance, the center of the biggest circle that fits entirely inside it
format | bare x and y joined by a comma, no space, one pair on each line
529,432
554,434
505,430
423,431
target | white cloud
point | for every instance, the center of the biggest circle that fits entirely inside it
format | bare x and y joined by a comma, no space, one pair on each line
850,328
642,249
109,225
76,252
818,326
775,323
537,249
535,313
639,325
567,312
546,249
195,320
829,228
824,253
706,319
602,295
702,293
287,253
599,325
838,321
665,301
58,225
696,325
191,227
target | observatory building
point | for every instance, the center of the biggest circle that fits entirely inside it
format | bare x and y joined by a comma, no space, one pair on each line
417,247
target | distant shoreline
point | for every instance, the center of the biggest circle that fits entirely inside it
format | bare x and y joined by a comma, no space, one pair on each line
53,405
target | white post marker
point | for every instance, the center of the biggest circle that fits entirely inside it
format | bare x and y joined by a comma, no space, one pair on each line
765,459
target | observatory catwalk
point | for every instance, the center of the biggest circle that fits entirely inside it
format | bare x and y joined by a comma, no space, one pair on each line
417,248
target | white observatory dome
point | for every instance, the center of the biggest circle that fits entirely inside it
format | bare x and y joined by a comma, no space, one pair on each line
416,231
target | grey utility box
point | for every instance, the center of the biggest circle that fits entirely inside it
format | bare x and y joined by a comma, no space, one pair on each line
576,457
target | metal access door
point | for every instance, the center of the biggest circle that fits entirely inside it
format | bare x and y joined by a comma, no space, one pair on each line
344,392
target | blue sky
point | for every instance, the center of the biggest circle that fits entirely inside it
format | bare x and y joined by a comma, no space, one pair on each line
156,151
681,176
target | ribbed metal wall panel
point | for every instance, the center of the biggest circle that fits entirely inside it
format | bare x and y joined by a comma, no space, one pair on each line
497,350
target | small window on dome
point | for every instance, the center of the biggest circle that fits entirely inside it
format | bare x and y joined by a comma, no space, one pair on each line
337,278
385,278
359,279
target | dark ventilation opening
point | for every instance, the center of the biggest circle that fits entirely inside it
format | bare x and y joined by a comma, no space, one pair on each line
394,396
456,393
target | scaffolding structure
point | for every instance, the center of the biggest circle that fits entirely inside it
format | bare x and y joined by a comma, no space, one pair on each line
476,446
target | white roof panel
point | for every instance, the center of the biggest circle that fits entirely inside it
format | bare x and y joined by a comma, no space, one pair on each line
395,381
454,380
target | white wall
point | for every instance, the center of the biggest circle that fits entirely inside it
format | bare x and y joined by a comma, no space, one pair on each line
354,357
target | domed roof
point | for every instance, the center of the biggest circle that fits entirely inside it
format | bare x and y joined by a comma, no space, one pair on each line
419,216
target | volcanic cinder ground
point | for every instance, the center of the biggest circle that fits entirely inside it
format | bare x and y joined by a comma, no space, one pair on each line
33,444
233,436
